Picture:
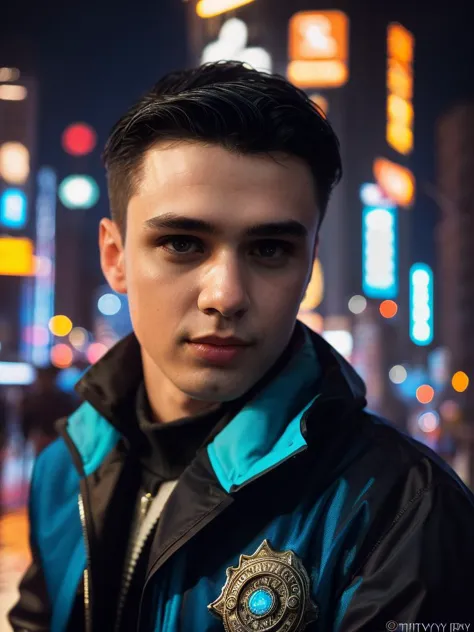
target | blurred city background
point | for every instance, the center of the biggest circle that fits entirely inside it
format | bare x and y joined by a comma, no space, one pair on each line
393,289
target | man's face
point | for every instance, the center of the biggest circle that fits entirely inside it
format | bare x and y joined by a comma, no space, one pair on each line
217,245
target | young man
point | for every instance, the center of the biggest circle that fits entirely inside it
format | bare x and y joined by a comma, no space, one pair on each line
222,473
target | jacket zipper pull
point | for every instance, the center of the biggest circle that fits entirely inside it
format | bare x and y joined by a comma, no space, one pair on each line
145,502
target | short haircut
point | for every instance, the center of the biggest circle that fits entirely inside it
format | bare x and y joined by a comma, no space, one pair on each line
227,104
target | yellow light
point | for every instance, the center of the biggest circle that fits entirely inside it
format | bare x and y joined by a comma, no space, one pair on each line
400,43
399,81
61,356
211,8
425,394
60,326
317,74
400,110
321,102
16,256
318,35
400,114
397,182
14,163
13,93
315,290
460,381
400,138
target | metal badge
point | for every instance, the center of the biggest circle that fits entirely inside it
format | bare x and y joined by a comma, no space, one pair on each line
267,591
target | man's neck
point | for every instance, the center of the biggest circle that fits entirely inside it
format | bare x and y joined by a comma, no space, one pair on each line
168,403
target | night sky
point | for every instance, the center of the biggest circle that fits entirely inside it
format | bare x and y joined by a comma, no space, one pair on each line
92,63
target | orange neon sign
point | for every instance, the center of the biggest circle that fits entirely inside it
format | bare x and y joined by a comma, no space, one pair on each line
400,115
318,49
397,182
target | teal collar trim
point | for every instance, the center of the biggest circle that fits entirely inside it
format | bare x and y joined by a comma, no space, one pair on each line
93,436
261,436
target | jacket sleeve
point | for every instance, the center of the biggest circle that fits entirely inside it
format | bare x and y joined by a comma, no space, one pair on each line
421,570
32,612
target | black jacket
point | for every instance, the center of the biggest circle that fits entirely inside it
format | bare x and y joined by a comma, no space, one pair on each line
382,526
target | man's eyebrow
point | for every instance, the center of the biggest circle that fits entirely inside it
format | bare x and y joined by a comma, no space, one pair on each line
172,221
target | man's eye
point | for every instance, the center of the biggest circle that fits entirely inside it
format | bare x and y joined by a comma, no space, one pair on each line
181,245
272,249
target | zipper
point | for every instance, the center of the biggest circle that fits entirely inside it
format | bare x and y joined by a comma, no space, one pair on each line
146,522
87,588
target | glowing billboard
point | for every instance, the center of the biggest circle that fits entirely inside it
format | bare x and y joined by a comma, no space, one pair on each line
16,256
379,252
318,49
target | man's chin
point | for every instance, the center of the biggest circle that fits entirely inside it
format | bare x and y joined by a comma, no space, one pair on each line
217,391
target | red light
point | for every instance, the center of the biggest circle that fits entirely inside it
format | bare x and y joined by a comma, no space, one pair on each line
388,309
425,394
79,139
61,356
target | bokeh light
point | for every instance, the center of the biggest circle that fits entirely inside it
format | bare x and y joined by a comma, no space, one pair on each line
388,309
79,139
9,74
13,93
68,378
79,337
450,411
429,421
95,352
398,374
60,325
109,304
357,304
460,381
425,394
61,356
77,191
14,162
13,208
36,335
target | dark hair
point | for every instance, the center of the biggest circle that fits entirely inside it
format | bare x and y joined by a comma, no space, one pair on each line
227,104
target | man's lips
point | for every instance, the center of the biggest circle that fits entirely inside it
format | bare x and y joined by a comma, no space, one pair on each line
218,350
220,341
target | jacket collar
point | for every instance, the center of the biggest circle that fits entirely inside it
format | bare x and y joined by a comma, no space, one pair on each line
111,385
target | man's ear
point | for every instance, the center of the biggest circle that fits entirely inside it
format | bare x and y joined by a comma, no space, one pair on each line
112,256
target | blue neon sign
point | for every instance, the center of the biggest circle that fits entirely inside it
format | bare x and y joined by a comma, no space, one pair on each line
380,252
13,208
421,304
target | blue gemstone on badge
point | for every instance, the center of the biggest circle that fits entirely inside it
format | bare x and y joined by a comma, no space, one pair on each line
261,602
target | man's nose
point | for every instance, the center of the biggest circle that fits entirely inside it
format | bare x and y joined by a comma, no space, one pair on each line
224,288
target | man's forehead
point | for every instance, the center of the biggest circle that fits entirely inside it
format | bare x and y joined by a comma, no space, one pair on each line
211,183
186,163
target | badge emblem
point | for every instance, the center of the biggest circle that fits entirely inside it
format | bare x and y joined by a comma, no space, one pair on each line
267,591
